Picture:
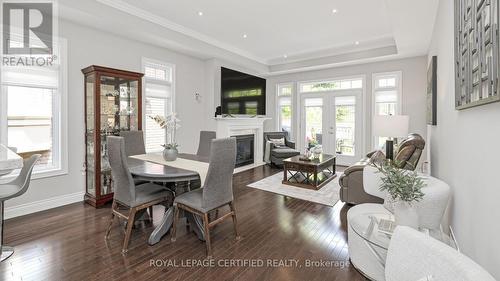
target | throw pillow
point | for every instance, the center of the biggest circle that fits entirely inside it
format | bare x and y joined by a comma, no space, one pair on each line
377,158
278,142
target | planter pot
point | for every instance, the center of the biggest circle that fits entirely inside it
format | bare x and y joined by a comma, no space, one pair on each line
405,214
170,154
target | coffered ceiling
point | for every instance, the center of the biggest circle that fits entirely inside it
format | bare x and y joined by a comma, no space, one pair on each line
277,35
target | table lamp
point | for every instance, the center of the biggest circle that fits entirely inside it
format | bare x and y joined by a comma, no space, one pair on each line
391,126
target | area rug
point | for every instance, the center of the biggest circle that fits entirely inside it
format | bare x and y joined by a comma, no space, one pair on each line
327,195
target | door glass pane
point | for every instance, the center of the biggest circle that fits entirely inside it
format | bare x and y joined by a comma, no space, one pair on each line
345,120
314,121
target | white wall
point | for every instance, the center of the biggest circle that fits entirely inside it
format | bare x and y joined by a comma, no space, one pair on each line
87,46
464,152
414,88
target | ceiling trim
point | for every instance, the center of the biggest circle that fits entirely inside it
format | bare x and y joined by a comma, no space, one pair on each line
330,61
145,15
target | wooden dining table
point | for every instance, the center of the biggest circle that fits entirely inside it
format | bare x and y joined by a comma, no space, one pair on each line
163,173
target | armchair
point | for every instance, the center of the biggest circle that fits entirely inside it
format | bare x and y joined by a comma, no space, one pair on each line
274,154
351,181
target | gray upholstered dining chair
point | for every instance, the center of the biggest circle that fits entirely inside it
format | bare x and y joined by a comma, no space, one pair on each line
126,194
15,188
206,138
134,142
216,192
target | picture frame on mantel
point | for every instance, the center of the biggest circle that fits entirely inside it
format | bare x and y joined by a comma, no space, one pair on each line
477,65
432,92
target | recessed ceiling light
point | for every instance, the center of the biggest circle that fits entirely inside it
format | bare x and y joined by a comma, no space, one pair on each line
245,36
285,56
356,43
200,13
334,11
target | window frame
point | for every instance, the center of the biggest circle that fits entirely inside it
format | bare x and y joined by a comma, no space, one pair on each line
278,106
60,118
375,89
148,62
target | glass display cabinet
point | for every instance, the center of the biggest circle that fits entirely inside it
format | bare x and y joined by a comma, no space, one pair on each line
112,104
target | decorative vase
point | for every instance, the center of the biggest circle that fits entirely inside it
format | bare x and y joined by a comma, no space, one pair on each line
170,154
317,150
405,214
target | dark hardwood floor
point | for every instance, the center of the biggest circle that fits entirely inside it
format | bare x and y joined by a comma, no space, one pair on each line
67,243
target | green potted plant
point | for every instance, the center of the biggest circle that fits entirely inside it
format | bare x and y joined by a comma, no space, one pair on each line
404,188
170,124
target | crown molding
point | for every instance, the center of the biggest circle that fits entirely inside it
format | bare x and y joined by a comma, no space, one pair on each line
161,21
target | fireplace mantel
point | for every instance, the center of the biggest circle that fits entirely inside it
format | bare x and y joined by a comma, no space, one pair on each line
234,126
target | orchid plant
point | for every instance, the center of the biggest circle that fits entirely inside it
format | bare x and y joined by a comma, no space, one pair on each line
170,123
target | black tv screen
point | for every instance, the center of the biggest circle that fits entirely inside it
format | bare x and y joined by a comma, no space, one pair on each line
242,93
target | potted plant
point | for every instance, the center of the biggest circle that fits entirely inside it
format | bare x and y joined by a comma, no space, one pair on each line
404,188
170,124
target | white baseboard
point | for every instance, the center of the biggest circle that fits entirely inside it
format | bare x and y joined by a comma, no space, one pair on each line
42,205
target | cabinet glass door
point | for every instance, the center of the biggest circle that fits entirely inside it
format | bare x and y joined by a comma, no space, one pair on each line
119,112
90,133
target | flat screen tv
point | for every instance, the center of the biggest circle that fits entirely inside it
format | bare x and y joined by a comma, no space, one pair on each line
242,94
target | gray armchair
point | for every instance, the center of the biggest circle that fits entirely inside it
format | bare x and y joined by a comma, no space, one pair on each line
351,181
277,154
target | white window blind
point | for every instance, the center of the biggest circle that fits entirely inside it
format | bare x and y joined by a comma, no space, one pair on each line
159,100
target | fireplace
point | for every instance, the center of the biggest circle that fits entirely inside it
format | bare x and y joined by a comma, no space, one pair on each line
244,150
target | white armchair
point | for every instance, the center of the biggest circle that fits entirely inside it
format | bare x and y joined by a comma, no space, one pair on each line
430,210
414,256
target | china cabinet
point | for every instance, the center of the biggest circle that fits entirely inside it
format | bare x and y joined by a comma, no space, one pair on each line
112,104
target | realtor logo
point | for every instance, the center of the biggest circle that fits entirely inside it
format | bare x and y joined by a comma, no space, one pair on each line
27,28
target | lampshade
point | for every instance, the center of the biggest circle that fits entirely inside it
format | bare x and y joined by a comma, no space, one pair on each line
390,125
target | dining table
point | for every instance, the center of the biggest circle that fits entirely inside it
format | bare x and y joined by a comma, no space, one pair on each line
9,160
144,170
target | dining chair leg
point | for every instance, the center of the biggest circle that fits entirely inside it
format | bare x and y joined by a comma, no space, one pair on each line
174,226
151,213
235,222
128,233
207,235
113,207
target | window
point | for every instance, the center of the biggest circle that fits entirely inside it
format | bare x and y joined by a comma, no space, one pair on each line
322,86
284,109
159,100
386,98
33,112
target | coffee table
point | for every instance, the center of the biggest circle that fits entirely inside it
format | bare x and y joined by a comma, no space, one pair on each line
313,174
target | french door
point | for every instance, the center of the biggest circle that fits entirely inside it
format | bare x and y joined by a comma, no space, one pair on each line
333,120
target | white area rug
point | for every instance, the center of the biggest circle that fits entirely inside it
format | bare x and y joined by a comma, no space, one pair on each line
327,195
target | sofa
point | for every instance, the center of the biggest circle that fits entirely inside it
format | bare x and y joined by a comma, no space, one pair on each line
351,181
275,154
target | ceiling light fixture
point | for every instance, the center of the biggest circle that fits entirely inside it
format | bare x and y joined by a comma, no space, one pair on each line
356,43
245,36
200,14
334,11
285,56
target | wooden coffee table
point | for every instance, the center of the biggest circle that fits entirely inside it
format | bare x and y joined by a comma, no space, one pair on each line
312,174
